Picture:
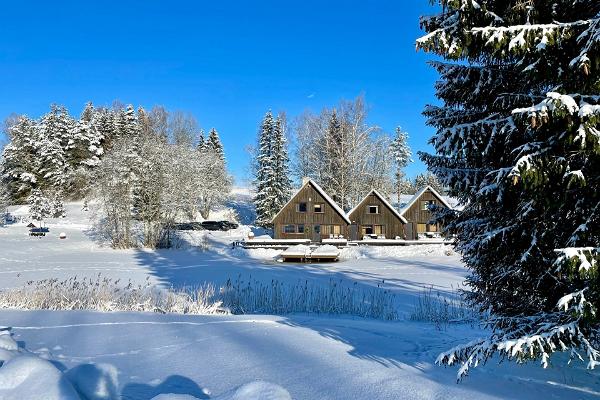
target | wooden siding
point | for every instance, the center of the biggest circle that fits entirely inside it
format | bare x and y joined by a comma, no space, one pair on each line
289,215
415,216
361,217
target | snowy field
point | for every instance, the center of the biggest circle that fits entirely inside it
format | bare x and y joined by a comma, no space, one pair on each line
310,356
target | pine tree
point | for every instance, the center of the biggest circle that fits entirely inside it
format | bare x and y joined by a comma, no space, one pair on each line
39,205
280,181
428,179
86,145
517,143
19,171
401,155
54,135
213,143
264,172
334,176
201,147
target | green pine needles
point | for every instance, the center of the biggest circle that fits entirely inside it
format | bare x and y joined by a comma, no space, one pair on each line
518,142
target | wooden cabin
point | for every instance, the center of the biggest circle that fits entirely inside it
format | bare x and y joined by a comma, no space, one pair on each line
375,217
310,214
418,215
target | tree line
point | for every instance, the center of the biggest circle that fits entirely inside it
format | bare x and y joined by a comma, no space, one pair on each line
146,168
337,148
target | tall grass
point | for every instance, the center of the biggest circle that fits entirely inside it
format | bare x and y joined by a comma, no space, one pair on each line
105,294
235,297
433,306
253,296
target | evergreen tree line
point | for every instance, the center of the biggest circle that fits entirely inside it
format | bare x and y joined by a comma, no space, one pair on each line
144,167
517,142
336,148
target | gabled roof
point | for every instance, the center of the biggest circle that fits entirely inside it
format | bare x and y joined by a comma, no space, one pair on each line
326,197
384,201
419,194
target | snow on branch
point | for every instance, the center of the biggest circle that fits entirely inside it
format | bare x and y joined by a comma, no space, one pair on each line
561,334
553,101
591,38
585,256
520,38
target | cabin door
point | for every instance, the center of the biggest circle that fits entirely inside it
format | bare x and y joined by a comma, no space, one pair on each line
353,232
410,231
316,233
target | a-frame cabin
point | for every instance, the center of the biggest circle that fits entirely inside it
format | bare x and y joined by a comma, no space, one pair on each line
418,215
374,217
310,214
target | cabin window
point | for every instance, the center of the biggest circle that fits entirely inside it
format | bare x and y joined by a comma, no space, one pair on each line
367,229
421,228
301,207
319,208
425,204
331,229
373,209
289,228
378,230
432,228
337,229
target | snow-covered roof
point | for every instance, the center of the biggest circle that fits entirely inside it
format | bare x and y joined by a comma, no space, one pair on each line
419,194
384,201
325,196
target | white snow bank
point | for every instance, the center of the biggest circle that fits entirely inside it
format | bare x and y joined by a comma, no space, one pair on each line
30,377
387,252
326,250
7,342
24,375
95,381
257,391
299,250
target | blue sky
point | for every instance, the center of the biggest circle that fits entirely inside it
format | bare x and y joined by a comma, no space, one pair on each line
226,62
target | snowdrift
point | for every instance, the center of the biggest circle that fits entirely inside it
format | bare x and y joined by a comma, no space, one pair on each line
24,375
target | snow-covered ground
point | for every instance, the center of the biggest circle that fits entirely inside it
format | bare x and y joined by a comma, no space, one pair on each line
310,356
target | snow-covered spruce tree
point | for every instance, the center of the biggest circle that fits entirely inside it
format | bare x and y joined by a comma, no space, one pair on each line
213,142
84,150
518,142
5,201
335,174
201,146
55,129
264,173
428,179
18,169
40,206
281,183
401,155
272,182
